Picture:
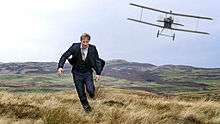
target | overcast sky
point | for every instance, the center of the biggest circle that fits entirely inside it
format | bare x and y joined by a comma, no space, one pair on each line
42,30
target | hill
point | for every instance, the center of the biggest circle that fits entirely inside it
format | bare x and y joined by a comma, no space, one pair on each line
121,69
165,79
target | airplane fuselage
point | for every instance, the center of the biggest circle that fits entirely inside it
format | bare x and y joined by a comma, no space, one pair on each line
168,22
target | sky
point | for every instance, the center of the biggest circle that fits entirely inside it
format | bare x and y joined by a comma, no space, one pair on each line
43,30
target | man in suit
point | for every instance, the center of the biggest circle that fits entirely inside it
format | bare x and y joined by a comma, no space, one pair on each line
84,58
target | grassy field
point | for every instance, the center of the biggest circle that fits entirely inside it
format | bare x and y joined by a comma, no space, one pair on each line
112,106
49,99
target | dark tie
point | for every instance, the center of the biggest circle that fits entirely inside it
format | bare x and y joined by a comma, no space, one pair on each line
83,55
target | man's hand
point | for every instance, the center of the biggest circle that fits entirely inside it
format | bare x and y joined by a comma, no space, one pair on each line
97,77
60,72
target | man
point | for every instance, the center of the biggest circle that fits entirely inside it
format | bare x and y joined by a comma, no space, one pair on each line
84,58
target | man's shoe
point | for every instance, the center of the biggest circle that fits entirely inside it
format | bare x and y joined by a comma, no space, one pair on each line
87,109
93,96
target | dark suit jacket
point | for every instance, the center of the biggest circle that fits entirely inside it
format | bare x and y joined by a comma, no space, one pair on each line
92,57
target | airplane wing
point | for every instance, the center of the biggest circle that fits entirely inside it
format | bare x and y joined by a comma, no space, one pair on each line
185,30
171,13
145,23
178,24
191,16
144,7
191,31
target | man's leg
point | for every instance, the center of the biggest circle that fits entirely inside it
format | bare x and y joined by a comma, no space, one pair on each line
90,87
80,88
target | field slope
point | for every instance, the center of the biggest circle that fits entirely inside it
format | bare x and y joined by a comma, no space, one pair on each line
112,106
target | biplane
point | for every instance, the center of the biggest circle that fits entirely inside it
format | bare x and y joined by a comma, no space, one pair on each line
168,21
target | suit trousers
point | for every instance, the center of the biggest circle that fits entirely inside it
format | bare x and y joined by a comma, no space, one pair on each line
84,82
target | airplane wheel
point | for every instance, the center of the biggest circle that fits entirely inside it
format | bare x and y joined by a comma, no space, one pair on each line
173,37
158,33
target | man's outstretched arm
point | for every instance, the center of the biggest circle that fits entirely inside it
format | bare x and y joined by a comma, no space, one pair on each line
62,60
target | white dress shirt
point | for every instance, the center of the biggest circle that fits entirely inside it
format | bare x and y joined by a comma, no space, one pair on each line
84,52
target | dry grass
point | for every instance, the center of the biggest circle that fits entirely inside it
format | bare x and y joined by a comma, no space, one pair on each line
112,106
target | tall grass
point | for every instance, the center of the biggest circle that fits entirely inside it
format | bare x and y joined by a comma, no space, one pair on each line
112,106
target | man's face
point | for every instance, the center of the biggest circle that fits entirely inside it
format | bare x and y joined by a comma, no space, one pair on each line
85,42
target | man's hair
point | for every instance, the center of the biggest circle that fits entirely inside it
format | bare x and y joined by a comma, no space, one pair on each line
85,35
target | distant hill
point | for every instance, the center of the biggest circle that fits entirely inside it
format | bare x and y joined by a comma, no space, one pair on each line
121,69
166,79
30,67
